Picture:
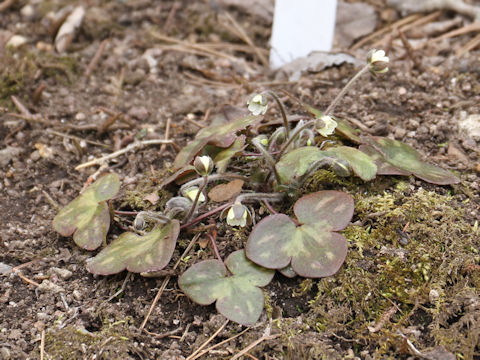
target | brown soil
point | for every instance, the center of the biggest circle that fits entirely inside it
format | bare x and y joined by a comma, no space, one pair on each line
327,318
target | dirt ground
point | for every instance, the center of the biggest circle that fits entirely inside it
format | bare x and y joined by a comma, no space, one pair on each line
413,268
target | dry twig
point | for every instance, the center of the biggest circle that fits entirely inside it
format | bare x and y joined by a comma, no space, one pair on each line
131,147
95,59
253,344
192,356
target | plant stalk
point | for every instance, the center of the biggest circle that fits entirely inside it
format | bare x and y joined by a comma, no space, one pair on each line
335,101
282,111
292,138
267,157
195,202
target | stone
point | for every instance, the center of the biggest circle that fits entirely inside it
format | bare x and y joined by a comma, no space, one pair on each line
469,127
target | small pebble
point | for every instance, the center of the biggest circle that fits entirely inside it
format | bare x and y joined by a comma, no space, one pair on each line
48,286
433,296
63,273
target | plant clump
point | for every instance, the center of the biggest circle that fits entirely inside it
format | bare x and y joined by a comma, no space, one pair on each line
274,170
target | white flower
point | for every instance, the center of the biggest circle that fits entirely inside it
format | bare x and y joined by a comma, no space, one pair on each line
237,215
203,165
257,104
191,193
378,61
326,125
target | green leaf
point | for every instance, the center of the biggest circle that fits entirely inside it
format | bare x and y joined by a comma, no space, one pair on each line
87,216
296,163
238,295
361,164
212,133
138,254
223,157
313,249
383,167
406,158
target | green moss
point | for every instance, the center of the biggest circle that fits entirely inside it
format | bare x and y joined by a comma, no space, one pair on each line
21,70
380,272
111,342
135,199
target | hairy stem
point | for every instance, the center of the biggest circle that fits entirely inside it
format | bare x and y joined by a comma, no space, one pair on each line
267,157
195,202
293,137
282,111
335,101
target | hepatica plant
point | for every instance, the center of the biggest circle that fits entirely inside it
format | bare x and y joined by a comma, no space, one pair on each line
271,168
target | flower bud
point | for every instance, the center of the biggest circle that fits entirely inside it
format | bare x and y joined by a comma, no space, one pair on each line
325,125
139,222
203,165
262,139
178,202
377,61
237,215
191,193
257,104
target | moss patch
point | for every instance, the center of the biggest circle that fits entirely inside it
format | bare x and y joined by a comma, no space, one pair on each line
409,246
111,342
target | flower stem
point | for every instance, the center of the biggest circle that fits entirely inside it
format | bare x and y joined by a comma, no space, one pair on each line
215,248
292,138
195,202
205,215
282,111
267,157
335,101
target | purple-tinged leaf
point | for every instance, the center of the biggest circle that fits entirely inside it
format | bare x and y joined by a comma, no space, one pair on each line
135,253
238,296
312,249
87,215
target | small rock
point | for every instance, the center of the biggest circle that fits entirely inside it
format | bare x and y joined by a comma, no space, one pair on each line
77,295
4,268
138,112
63,273
8,154
80,116
470,127
5,353
48,286
433,296
400,133
402,91
16,41
28,12
15,334
413,124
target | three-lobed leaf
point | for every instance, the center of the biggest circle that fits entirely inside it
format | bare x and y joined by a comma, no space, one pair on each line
313,248
135,253
238,296
87,217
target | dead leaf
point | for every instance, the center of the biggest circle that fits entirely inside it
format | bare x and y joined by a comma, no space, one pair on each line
68,29
153,198
224,192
